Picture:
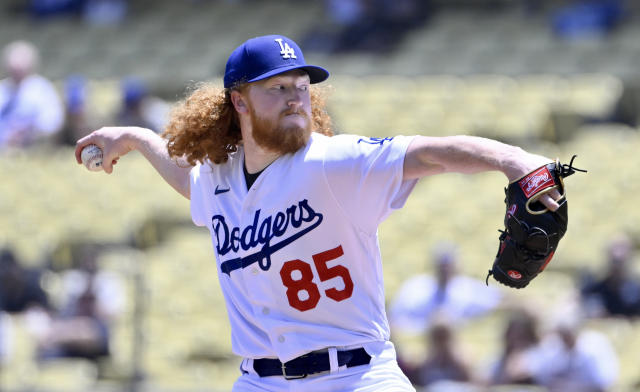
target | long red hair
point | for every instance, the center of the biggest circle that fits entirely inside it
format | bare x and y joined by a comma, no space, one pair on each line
205,126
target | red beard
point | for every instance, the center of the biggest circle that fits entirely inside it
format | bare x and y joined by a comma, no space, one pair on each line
272,136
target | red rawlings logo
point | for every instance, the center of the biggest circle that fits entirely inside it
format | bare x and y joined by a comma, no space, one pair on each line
513,274
536,181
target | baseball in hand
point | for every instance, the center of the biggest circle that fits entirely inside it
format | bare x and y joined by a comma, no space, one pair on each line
92,157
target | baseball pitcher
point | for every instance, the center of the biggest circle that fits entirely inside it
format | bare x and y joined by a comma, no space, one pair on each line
293,214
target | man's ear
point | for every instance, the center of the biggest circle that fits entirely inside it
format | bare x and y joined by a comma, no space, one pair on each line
239,102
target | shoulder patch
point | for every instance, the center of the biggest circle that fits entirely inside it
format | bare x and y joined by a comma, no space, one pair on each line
375,140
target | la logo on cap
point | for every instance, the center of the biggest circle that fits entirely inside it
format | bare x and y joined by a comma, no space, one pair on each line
286,51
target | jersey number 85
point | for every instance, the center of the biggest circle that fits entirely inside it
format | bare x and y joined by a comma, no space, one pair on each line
305,282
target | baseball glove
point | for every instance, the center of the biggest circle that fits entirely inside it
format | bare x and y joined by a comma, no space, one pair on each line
532,232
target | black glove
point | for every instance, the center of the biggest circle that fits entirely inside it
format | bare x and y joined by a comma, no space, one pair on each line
532,232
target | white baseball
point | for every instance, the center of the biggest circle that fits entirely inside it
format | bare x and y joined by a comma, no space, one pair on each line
92,157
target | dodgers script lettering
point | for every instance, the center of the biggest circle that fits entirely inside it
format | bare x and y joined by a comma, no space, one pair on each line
262,231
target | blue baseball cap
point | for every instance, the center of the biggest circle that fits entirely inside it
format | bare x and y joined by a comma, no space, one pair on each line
262,57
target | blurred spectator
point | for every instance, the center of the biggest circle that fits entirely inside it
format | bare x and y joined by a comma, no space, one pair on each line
520,339
105,12
94,12
139,108
30,108
338,15
444,360
20,292
577,360
588,19
617,293
456,297
367,25
567,358
345,12
76,123
20,287
92,301
50,8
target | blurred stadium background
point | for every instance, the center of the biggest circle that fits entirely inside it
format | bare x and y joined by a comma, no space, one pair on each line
525,72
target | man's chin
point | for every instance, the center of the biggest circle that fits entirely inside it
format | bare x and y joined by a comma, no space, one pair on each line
285,140
289,134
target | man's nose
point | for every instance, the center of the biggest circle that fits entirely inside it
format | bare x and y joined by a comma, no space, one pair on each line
295,99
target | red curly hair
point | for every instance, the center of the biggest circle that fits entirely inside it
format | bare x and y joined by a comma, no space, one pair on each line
205,125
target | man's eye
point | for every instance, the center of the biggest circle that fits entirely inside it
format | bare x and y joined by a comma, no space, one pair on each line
304,88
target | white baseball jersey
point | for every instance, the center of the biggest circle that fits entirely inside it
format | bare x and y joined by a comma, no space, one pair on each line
297,253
